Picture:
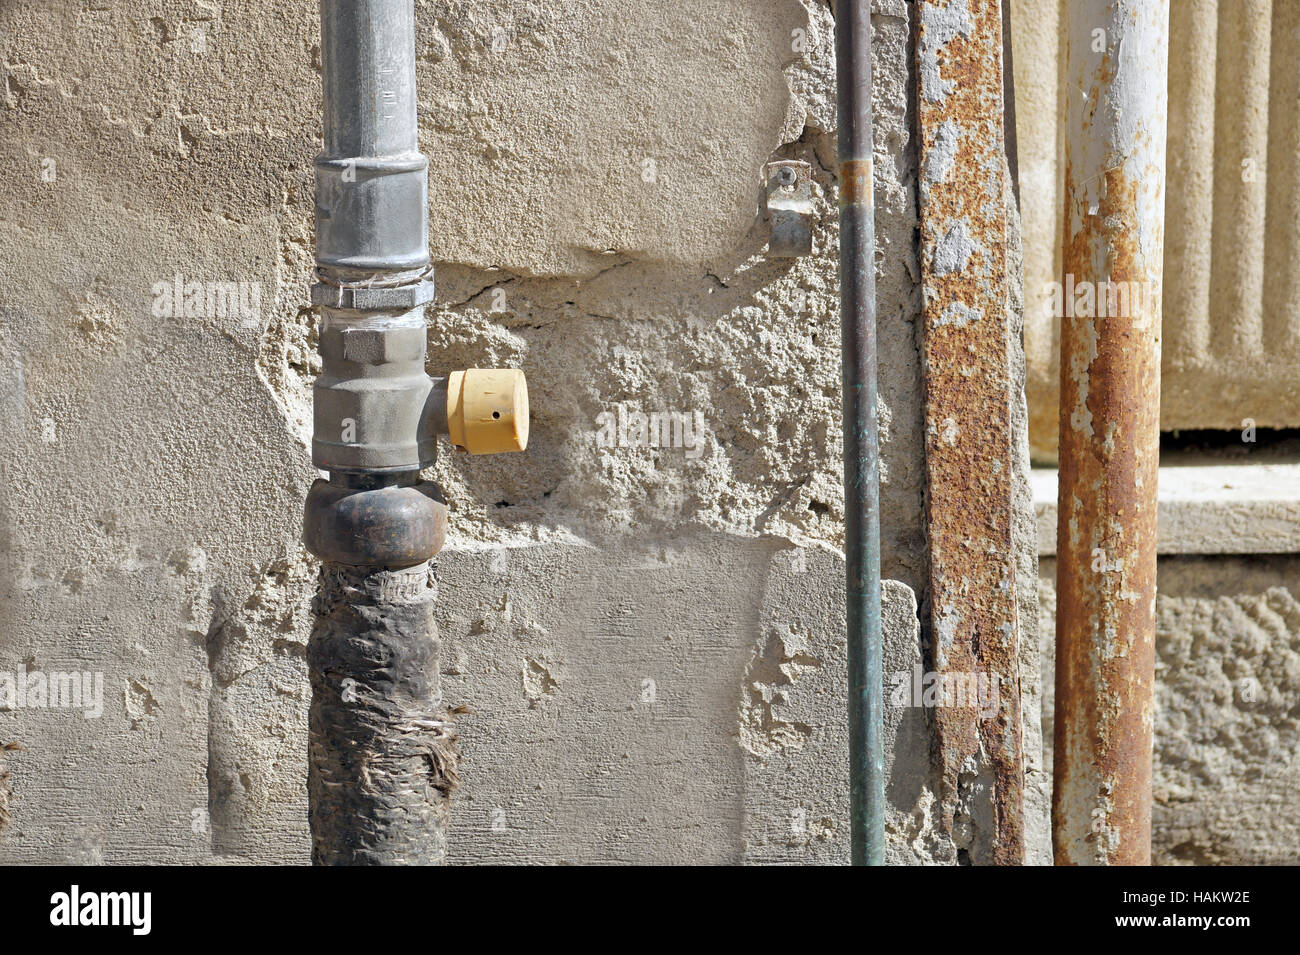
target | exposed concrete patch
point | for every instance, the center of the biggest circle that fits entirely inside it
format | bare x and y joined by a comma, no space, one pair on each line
943,152
775,668
538,680
939,26
953,250
141,707
957,314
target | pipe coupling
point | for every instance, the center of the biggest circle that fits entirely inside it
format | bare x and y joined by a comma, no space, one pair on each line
371,398
370,212
398,525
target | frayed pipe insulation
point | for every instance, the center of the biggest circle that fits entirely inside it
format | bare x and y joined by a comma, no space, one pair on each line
1110,433
861,440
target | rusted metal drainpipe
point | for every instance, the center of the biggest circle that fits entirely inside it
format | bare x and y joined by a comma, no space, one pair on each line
861,442
1110,430
382,758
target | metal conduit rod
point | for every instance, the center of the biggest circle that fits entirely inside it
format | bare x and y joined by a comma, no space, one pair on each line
1110,430
861,442
382,755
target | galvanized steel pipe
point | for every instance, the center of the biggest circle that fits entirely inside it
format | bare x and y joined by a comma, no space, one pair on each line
1109,430
861,442
371,180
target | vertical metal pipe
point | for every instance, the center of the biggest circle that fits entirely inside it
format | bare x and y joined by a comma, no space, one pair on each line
1109,430
861,447
382,758
371,180
368,55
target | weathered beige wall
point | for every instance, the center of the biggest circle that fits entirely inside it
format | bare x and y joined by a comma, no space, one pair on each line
651,642
1231,296
1038,67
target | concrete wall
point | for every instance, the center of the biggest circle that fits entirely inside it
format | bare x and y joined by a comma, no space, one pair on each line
650,641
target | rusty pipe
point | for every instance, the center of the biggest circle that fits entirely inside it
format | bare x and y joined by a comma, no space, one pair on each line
1109,303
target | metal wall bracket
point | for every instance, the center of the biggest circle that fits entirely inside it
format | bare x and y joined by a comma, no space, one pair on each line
790,207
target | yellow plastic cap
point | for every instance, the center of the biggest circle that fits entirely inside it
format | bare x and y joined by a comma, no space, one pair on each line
487,410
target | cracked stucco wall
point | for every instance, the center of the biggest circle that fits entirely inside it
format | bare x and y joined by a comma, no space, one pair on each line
649,642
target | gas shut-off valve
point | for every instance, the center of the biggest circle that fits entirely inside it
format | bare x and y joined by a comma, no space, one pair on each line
377,414
377,417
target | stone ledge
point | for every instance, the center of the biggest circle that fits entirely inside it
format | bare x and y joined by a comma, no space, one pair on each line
1206,509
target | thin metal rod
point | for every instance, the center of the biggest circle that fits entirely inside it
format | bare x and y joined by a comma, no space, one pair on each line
1110,430
861,442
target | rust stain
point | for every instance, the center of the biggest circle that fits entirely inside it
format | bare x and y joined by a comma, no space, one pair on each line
1106,544
969,443
855,182
1109,454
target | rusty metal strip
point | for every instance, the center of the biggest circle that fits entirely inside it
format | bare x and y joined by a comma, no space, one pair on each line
969,460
